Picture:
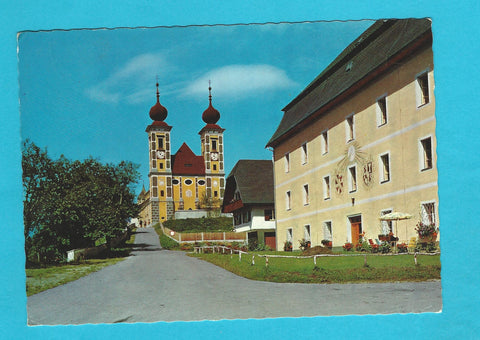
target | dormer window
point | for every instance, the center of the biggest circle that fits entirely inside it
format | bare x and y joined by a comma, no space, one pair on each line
349,66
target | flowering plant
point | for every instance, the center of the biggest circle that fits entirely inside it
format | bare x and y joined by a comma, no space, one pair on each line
425,230
348,246
327,243
402,247
287,246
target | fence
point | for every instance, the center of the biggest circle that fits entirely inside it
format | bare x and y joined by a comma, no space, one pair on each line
231,251
226,236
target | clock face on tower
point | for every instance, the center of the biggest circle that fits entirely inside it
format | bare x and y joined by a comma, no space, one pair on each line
161,154
214,156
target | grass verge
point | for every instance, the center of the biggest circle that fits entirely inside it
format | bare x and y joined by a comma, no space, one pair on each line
330,269
40,279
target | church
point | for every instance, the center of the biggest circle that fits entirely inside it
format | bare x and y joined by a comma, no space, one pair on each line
183,184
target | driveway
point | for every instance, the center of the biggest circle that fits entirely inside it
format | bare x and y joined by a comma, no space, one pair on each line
160,285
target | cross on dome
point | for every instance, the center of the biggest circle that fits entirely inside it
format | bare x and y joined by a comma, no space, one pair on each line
210,115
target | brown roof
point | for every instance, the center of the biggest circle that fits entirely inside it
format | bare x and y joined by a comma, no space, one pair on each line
369,53
185,162
254,179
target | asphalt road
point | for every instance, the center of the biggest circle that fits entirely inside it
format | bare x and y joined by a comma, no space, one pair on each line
160,285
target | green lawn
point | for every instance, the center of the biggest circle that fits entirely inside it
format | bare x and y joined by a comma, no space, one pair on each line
340,269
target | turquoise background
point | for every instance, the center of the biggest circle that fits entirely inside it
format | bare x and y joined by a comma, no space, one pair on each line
455,32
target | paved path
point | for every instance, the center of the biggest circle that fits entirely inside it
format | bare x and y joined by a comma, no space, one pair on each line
161,285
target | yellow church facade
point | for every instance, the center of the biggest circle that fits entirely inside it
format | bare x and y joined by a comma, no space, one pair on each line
184,184
359,142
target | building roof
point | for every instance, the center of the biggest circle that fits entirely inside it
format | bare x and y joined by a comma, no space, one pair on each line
185,162
254,180
368,55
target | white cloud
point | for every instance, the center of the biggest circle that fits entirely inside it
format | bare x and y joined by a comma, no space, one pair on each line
132,82
240,80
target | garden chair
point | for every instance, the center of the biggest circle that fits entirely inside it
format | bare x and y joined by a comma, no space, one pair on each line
412,244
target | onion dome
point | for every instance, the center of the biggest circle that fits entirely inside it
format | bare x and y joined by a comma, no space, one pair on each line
210,115
158,112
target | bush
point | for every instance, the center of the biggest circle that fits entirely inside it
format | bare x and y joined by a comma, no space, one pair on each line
402,247
384,248
198,225
348,246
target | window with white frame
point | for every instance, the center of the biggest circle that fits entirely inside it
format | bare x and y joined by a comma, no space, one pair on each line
428,213
382,111
422,89
287,162
288,200
326,187
325,142
350,128
304,153
426,161
384,168
387,226
352,178
290,235
306,232
327,230
306,198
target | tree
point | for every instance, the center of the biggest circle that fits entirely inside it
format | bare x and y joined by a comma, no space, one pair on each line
71,205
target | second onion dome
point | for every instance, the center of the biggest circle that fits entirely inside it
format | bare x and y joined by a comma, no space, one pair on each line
210,115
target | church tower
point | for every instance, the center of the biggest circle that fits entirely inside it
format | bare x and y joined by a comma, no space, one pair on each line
211,137
160,164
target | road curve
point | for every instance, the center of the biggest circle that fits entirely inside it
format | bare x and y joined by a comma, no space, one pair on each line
160,285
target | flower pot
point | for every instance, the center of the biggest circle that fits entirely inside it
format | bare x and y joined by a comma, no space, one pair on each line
427,239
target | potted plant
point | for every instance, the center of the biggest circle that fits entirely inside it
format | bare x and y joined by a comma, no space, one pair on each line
287,246
426,232
327,243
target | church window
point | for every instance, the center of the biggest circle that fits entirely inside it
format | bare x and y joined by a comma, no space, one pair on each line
175,181
161,165
154,163
162,193
214,144
188,182
287,162
215,193
214,166
160,142
201,182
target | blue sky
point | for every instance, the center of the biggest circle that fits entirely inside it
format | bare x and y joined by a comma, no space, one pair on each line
88,92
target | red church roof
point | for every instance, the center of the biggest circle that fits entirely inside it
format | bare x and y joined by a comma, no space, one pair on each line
185,162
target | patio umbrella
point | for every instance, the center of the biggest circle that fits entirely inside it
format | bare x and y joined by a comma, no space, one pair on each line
396,216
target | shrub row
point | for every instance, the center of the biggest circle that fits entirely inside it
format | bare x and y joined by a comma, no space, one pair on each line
198,225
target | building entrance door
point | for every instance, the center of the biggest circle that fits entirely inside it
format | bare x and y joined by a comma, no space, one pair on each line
356,228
